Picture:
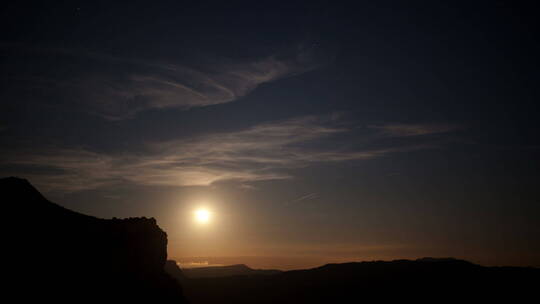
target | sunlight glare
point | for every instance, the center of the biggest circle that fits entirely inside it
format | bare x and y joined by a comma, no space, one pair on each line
202,216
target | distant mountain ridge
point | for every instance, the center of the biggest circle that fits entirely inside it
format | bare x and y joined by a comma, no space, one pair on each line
219,271
82,258
426,280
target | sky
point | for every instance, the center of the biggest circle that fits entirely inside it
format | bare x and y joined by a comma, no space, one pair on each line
312,132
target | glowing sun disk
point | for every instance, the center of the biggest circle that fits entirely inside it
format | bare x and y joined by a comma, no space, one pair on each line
202,215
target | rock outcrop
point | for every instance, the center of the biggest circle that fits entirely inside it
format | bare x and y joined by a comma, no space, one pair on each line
55,254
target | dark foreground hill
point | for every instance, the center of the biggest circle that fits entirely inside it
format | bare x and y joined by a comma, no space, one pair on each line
81,258
401,281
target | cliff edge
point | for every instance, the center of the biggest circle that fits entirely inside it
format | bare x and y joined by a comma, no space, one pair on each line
57,254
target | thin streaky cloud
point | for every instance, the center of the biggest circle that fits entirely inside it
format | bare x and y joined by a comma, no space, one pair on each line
247,187
404,130
263,152
117,88
306,197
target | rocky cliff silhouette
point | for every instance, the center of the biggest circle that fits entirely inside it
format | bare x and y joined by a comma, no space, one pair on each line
58,255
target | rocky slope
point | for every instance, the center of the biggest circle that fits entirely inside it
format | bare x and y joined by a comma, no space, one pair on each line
57,254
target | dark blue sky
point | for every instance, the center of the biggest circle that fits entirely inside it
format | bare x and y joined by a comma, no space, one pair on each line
314,130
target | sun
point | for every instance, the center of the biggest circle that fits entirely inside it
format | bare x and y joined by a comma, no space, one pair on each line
202,216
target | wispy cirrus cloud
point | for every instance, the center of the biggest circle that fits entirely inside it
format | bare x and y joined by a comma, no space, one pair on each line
263,152
306,197
402,130
117,87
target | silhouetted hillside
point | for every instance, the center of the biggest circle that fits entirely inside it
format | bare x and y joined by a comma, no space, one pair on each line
81,258
420,281
219,271
171,267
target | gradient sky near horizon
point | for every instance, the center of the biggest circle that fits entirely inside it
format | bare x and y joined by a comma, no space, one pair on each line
313,132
